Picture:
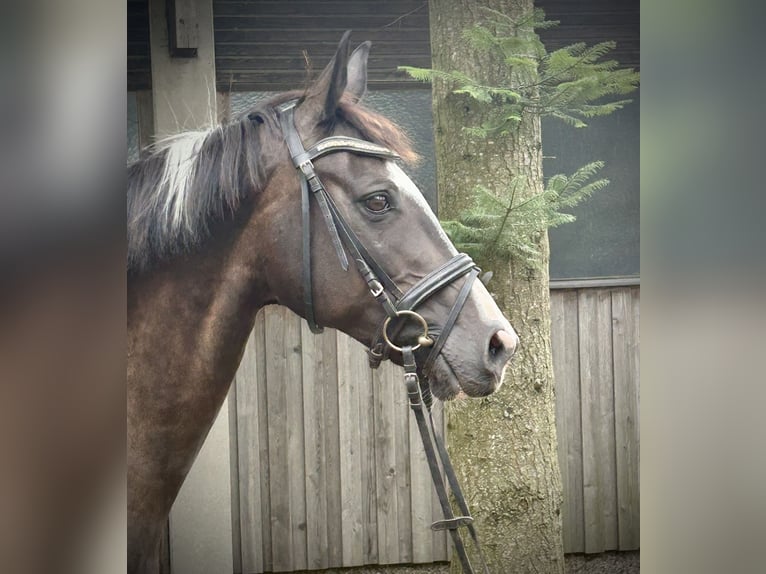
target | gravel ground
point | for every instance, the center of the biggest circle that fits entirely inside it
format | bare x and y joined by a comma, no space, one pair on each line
606,563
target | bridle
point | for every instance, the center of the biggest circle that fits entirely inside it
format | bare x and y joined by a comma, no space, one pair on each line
399,306
396,304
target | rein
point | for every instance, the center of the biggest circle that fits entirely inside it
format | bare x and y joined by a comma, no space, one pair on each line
399,308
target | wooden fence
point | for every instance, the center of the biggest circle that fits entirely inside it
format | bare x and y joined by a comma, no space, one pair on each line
595,342
328,470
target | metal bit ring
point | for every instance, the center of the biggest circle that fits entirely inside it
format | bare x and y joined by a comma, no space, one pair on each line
423,340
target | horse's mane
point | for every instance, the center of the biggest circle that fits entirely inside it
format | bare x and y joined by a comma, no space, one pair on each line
188,181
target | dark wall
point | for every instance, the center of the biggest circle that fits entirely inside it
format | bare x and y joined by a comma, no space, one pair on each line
260,45
604,241
139,66
593,21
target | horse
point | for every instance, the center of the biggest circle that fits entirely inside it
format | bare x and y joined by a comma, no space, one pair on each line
214,235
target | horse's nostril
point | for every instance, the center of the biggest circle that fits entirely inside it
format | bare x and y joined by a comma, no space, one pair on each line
502,346
495,345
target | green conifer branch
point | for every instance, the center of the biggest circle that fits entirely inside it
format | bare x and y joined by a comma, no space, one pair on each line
573,84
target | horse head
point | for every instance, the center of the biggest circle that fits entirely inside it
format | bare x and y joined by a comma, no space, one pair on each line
390,227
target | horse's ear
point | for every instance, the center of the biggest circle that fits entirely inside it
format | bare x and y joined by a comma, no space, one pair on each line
357,72
331,84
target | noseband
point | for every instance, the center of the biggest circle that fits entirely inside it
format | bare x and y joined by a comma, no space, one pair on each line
399,306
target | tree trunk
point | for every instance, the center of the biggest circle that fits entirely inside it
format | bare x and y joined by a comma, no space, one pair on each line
504,446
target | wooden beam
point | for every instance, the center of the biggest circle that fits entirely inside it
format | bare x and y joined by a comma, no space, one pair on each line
183,28
145,110
183,90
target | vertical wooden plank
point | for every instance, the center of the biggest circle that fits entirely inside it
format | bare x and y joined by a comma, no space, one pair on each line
385,466
145,112
331,418
278,423
350,454
440,544
314,439
293,383
597,395
223,105
249,440
316,370
625,338
259,334
363,377
566,368
236,531
421,493
402,446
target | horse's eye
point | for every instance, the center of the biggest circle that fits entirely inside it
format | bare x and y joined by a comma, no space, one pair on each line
377,203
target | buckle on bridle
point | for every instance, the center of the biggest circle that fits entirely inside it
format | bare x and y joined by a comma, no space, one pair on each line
376,288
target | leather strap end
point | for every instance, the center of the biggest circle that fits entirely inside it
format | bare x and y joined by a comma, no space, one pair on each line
314,328
375,356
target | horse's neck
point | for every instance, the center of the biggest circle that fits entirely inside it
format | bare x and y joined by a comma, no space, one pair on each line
188,322
193,310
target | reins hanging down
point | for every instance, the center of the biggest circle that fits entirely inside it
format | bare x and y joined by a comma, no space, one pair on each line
432,443
399,307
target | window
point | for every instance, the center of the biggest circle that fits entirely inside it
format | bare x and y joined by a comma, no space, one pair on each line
604,241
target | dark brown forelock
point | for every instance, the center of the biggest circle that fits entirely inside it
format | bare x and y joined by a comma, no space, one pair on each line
378,129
